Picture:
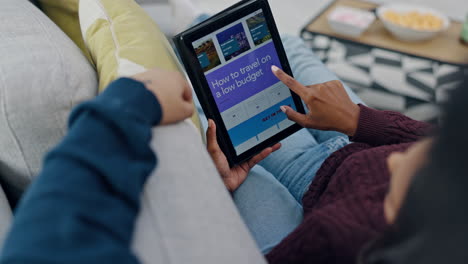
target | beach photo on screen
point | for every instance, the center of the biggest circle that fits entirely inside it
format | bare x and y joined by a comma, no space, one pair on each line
207,55
259,29
233,41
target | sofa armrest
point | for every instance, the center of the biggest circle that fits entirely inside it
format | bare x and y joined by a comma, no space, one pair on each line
6,217
187,215
142,2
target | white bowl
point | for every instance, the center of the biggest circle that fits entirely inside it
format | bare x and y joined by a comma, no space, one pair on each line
350,21
406,33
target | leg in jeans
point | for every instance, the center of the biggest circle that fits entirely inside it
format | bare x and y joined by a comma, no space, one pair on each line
268,208
298,160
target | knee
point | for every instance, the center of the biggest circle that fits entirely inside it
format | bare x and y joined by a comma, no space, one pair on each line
290,41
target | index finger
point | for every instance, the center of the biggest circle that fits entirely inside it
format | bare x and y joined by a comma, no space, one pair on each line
294,85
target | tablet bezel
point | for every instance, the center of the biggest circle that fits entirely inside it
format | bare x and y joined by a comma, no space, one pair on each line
184,42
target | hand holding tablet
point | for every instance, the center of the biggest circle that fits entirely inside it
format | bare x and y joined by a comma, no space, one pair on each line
235,176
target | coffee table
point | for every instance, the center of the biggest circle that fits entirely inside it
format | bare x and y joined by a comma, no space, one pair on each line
445,48
388,74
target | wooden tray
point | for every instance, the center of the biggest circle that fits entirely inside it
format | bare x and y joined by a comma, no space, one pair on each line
445,48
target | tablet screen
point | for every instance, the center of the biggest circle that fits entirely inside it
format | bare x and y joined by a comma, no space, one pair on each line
236,61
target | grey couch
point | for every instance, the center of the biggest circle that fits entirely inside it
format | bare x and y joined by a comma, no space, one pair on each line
42,76
34,52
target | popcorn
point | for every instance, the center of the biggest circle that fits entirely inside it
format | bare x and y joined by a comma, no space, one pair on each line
415,20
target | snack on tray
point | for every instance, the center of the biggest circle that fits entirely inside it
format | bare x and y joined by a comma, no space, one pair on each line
415,20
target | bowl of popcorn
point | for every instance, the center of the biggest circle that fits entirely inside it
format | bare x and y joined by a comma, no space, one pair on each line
411,22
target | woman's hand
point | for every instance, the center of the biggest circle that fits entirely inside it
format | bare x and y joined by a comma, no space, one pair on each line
330,107
173,93
232,177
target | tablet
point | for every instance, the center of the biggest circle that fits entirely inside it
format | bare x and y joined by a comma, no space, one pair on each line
228,59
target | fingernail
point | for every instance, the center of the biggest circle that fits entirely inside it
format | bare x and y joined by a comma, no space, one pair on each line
274,68
210,123
283,108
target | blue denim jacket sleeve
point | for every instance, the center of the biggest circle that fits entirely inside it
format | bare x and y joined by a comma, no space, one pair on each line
83,206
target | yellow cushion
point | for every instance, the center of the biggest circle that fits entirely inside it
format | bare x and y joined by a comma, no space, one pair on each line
65,14
123,40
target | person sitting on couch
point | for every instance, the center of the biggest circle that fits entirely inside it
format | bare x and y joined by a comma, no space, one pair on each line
430,225
345,206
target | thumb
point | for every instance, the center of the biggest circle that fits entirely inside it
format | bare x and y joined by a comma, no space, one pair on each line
212,143
187,93
297,117
187,108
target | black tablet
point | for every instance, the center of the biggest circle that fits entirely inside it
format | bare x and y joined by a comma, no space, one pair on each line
228,59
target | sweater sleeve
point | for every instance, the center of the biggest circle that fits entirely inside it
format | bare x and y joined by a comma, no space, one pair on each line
379,128
83,206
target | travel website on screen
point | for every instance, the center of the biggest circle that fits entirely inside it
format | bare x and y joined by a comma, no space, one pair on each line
237,62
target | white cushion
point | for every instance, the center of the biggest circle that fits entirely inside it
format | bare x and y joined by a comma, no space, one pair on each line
42,76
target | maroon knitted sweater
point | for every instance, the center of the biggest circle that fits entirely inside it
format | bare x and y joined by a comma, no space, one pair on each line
343,208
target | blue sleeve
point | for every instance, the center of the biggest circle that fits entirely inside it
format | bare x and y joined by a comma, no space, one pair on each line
83,206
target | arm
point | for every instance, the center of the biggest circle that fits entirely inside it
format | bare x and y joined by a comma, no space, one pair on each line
333,233
386,127
83,206
330,108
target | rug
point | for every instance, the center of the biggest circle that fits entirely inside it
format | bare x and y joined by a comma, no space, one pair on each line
389,80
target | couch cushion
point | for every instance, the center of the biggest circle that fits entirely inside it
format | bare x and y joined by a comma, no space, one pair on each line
6,217
123,40
42,76
65,14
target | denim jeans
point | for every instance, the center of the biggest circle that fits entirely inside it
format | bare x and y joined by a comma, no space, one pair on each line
270,200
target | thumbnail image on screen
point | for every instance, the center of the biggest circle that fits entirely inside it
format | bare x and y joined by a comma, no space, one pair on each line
259,29
207,55
233,41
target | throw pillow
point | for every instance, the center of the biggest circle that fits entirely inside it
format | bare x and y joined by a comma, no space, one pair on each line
65,14
123,40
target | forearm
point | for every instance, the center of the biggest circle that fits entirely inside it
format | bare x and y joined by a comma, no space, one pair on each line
386,127
83,205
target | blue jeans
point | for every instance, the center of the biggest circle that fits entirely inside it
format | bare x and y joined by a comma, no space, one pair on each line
270,200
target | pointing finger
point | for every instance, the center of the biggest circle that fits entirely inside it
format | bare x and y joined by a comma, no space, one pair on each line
294,85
